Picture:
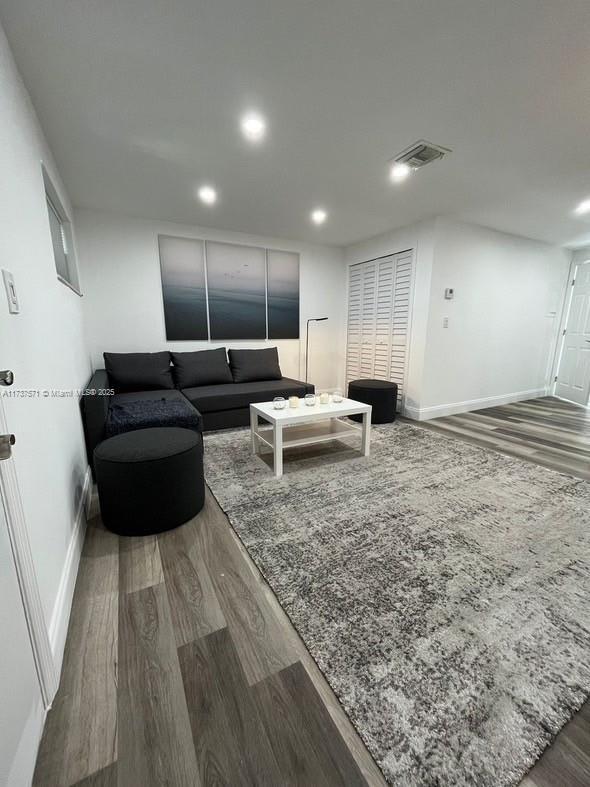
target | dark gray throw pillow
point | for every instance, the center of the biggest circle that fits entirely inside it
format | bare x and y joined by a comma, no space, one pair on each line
139,371
203,367
247,366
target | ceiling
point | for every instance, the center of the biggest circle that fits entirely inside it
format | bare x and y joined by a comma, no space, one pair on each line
141,99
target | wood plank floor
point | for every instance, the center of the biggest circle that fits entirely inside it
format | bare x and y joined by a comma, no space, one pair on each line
545,431
181,668
554,434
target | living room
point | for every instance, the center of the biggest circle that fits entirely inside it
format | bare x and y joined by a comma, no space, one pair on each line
296,438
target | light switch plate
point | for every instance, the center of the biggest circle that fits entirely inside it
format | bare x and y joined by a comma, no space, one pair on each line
11,295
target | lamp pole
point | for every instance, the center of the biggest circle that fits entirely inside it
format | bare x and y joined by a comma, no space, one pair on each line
311,319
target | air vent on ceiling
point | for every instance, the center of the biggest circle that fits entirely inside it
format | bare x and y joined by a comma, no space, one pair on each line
421,153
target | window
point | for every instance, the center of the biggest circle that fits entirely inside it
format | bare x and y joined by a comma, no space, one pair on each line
61,237
60,249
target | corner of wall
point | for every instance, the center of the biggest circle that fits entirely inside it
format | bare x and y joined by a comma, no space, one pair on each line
423,264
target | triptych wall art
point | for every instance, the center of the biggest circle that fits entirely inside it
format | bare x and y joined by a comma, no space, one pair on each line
218,291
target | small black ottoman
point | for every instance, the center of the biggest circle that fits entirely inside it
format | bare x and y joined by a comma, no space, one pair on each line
150,480
380,394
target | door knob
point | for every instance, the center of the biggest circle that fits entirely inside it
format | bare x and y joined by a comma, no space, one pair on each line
6,443
6,377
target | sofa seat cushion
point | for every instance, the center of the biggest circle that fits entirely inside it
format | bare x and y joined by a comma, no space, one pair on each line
214,398
146,409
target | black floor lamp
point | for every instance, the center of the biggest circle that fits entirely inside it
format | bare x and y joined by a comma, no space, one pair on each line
311,319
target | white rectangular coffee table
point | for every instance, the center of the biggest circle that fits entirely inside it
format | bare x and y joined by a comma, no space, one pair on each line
306,425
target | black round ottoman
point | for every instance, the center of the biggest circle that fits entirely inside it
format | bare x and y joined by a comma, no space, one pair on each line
380,394
150,480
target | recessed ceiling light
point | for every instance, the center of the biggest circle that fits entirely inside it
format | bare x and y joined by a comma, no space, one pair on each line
208,195
583,208
253,126
318,216
399,171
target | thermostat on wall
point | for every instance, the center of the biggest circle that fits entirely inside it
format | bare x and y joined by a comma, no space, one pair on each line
11,295
449,293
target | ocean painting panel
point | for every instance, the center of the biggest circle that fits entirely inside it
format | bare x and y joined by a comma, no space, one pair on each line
182,263
283,295
236,284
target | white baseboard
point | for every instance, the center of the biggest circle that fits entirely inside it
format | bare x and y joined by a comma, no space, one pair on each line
58,628
440,410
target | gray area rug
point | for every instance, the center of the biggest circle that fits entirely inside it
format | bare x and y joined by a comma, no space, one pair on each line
443,590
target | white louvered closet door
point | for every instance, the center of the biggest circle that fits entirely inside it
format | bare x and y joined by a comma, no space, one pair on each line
379,318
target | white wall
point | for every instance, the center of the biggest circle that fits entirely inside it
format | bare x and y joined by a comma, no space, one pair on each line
44,346
123,304
503,321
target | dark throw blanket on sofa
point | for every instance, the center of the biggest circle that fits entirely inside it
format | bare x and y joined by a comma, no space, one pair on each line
144,414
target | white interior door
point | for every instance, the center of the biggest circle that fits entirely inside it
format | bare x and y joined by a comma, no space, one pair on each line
573,376
21,713
28,678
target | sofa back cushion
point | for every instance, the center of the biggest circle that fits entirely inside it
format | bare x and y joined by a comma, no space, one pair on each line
204,367
250,365
139,371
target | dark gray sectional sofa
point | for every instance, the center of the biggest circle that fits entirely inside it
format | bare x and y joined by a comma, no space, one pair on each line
218,393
